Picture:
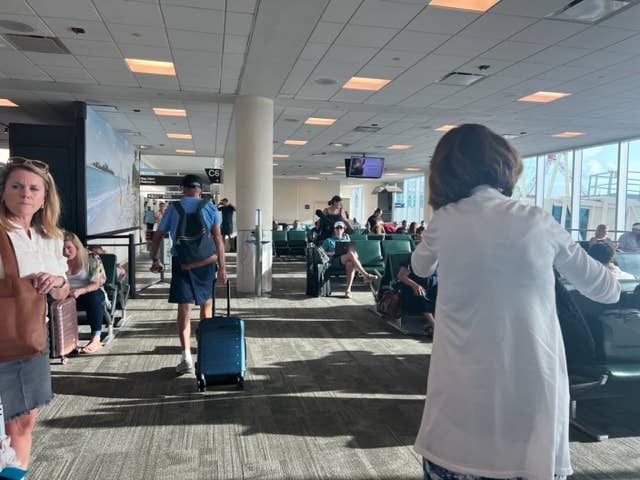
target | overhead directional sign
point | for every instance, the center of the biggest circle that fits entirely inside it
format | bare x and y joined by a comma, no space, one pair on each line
214,174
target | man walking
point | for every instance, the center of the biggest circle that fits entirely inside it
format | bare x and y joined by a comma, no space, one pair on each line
193,282
226,209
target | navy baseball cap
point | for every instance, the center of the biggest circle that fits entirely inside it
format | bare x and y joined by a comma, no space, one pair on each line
191,181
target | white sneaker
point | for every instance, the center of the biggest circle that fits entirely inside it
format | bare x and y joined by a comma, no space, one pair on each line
185,366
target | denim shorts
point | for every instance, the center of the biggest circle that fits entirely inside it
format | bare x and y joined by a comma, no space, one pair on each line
191,286
436,472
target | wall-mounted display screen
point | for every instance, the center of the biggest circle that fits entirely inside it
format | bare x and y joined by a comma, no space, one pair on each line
364,167
112,178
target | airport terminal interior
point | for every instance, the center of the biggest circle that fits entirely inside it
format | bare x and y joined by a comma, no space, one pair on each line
280,106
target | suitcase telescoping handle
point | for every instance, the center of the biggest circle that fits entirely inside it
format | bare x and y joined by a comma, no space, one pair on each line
213,295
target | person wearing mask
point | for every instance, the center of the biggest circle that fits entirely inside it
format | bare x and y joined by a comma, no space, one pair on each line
86,277
630,241
497,403
29,214
226,228
193,285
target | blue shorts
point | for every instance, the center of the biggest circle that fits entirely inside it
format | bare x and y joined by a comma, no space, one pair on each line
191,286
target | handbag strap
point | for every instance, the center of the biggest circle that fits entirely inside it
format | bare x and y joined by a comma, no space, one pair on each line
8,255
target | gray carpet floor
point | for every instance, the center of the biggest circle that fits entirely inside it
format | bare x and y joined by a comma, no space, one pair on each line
332,392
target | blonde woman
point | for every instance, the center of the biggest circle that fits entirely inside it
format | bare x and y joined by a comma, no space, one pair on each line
602,236
86,277
29,213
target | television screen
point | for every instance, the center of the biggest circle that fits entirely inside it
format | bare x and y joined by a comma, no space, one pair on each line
365,167
112,178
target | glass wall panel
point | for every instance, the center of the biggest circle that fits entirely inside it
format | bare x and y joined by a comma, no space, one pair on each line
409,205
632,215
357,205
558,178
598,189
525,189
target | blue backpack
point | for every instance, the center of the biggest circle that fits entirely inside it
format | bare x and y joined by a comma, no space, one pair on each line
193,241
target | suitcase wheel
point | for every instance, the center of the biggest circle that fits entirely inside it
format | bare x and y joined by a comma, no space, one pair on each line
240,382
202,385
63,360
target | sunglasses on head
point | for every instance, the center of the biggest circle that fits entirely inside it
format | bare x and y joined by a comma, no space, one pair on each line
338,228
40,165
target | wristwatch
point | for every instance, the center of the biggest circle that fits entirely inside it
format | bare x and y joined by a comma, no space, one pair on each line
64,282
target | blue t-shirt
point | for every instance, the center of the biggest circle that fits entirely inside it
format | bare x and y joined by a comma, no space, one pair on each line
329,244
170,219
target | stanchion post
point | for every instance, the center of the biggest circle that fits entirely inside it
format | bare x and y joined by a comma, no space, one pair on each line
132,265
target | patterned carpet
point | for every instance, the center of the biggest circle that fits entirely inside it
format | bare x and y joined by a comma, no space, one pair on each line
331,392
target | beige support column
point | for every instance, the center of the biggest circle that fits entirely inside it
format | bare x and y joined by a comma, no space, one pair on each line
253,117
428,211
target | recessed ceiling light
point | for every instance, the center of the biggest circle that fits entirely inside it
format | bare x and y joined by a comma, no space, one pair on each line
143,147
340,167
365,83
320,121
474,5
412,169
182,150
5,102
445,128
339,145
154,67
179,136
170,112
313,178
398,146
568,134
326,173
543,97
280,155
295,142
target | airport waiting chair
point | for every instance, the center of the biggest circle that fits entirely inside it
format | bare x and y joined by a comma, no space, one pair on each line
375,236
398,236
297,242
396,246
358,236
370,255
117,290
629,262
280,244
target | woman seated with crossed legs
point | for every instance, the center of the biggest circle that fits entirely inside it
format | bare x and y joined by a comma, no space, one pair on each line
349,260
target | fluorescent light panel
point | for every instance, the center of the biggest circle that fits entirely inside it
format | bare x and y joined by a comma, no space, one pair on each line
326,173
5,102
445,128
179,136
320,121
340,167
170,112
182,150
543,97
474,5
153,67
398,146
365,83
568,134
390,174
313,178
280,155
412,169
295,142
275,164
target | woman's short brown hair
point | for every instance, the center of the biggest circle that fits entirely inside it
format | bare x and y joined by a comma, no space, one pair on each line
468,156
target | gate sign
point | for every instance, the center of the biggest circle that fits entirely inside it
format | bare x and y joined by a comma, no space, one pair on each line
214,174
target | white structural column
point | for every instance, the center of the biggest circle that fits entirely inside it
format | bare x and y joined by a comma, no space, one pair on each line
428,210
254,186
229,170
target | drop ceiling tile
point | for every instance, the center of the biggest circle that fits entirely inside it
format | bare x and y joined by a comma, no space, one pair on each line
148,53
631,44
359,36
14,7
61,74
557,55
129,13
627,18
597,37
61,27
430,94
117,77
312,91
563,73
192,60
395,58
298,76
38,26
388,73
442,20
229,85
326,32
527,8
238,23
92,48
440,64
340,11
190,40
494,65
243,6
314,51
68,9
465,45
601,58
157,81
235,43
416,42
206,4
525,70
195,19
496,26
357,55
139,35
548,32
53,59
378,13
513,51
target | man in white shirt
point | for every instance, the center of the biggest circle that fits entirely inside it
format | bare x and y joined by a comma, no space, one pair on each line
630,241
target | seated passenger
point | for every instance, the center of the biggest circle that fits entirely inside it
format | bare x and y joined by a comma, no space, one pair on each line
419,234
98,250
418,295
86,277
604,254
348,260
630,241
297,227
601,236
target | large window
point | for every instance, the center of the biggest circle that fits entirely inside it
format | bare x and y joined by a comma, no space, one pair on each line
598,188
4,155
632,215
409,205
356,205
558,178
525,189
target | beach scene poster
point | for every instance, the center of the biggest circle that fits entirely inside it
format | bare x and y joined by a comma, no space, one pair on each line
112,178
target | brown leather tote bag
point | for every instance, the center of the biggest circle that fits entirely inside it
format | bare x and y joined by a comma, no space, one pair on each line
23,331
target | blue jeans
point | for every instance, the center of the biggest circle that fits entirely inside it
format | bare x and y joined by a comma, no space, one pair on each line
93,304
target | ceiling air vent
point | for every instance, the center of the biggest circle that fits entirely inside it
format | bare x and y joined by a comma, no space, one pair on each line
37,43
461,79
588,11
366,129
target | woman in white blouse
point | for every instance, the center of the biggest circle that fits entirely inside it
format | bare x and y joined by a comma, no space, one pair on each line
29,213
497,403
